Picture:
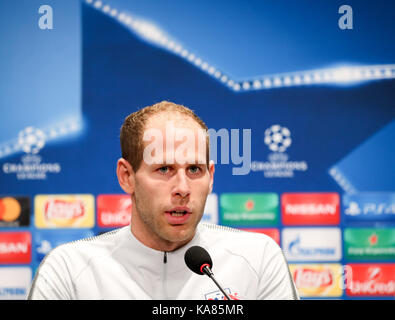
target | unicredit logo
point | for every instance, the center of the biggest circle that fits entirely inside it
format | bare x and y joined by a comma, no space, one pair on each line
371,280
63,209
114,210
306,277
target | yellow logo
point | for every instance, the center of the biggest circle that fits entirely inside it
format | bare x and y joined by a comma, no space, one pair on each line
64,211
318,280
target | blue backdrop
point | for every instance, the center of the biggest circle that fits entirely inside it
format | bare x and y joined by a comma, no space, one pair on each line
255,65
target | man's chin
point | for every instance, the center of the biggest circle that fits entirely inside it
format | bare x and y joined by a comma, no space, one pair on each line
179,233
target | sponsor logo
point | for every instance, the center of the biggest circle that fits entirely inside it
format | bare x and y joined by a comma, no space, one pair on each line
218,295
249,209
15,282
211,209
367,206
31,140
310,208
271,232
311,244
113,210
15,247
369,243
14,211
64,211
318,280
278,139
46,240
370,280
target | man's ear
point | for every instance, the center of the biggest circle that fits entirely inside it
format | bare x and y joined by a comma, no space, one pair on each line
125,176
211,171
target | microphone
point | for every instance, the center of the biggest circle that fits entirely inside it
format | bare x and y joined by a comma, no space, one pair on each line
199,261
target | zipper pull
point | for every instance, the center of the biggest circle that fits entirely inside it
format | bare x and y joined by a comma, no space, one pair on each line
165,257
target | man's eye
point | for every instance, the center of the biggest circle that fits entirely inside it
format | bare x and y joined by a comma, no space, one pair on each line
163,169
194,169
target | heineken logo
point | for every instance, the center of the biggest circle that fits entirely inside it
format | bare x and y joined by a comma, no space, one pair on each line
369,243
249,209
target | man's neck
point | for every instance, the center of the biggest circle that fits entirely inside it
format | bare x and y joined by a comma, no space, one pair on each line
153,241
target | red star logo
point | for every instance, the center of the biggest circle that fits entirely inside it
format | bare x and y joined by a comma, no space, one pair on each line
250,205
373,239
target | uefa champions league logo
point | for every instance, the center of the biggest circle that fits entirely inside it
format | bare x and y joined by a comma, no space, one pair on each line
277,138
31,140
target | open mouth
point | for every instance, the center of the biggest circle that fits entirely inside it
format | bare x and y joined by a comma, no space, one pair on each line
177,213
178,216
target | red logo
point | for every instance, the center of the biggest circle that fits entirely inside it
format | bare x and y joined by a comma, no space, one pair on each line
373,239
310,208
370,279
271,232
113,210
306,277
249,205
63,209
15,247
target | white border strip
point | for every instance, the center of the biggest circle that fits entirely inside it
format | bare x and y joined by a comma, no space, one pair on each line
342,181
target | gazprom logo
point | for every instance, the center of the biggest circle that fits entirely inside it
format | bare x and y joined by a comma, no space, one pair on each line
7,292
312,244
369,206
296,248
14,282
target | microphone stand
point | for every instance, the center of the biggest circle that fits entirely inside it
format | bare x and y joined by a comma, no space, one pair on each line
206,269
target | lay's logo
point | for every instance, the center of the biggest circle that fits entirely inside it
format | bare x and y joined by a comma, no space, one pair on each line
318,280
61,209
306,277
64,211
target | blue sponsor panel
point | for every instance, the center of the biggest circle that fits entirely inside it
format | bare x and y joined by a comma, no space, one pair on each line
369,207
45,240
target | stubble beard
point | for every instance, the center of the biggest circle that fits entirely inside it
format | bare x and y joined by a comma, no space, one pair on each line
158,228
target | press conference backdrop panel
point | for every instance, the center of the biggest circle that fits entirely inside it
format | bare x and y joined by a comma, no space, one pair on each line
303,93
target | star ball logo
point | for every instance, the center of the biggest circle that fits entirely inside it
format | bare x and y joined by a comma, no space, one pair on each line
278,139
31,141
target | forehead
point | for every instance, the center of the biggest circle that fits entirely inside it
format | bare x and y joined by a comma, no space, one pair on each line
177,119
174,137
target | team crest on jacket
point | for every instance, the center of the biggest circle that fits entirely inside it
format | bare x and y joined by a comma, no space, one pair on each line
218,295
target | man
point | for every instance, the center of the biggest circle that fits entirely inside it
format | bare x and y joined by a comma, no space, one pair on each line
165,168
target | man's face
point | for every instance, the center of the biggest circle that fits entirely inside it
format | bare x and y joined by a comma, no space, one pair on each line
169,197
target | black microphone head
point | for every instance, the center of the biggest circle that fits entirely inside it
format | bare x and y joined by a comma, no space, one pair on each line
196,258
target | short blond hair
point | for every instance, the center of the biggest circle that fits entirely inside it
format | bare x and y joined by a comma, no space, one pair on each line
132,130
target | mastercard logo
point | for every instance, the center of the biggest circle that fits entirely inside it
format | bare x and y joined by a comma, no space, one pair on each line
10,209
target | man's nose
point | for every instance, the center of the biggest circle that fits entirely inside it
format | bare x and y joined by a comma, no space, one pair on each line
181,187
